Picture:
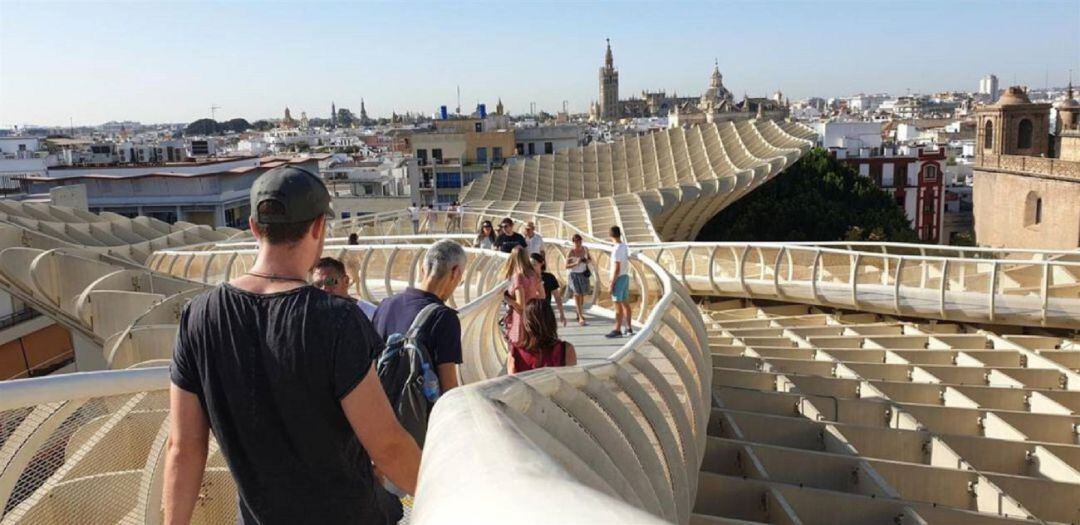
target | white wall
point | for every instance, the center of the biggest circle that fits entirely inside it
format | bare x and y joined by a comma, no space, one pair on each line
850,135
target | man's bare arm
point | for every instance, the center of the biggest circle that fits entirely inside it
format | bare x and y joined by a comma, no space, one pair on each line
447,376
391,448
185,459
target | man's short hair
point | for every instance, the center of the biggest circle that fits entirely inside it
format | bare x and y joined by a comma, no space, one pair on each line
505,221
280,233
330,263
616,232
442,257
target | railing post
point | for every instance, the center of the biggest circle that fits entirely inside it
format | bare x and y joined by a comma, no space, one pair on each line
993,284
896,284
776,271
855,279
1044,292
815,269
740,270
944,282
686,254
712,277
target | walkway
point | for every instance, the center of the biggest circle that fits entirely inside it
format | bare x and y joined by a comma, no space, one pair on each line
589,341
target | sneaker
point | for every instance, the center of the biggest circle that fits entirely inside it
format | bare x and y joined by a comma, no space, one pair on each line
629,332
612,334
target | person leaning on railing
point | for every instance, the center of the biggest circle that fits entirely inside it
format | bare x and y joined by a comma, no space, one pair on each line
283,374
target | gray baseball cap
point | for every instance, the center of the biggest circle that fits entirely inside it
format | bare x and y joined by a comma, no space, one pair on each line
302,196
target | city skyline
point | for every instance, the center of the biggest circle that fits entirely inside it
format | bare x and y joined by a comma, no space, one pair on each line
253,59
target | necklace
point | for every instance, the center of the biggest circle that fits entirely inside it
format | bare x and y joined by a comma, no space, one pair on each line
277,277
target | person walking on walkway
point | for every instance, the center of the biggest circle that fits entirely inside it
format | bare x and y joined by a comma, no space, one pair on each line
540,347
525,285
444,266
329,275
620,284
552,287
432,217
283,374
577,263
414,218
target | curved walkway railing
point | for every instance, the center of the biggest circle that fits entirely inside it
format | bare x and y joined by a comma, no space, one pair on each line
89,447
617,441
998,286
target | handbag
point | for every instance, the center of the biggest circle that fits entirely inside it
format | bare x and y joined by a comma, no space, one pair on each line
587,273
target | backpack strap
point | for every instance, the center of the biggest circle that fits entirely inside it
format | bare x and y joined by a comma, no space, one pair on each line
421,320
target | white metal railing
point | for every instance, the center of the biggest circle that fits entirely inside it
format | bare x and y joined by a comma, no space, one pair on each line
616,441
1038,289
89,446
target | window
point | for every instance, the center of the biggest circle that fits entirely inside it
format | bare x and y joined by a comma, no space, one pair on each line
988,135
532,148
479,126
1023,134
436,155
930,173
421,154
549,148
1033,208
496,153
448,180
481,154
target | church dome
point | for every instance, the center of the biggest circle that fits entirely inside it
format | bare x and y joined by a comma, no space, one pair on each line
1013,96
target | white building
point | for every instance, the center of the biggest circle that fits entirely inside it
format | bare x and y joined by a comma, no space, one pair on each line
851,136
867,103
211,193
21,157
988,85
539,140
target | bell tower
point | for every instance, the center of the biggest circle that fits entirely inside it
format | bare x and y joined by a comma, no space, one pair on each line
609,87
1013,126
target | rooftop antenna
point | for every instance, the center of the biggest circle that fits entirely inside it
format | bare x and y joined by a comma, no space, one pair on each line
459,99
213,111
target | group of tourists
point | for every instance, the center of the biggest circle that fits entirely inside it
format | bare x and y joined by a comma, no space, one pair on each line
430,218
319,402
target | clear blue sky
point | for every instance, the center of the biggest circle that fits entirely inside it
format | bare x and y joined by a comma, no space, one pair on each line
169,61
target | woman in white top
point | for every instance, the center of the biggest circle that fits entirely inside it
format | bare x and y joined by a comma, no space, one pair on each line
577,262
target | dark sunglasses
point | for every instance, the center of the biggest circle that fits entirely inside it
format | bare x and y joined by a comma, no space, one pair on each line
326,282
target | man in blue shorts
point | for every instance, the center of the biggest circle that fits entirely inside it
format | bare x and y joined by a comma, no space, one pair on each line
620,284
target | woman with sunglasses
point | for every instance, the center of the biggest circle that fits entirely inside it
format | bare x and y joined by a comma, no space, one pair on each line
485,238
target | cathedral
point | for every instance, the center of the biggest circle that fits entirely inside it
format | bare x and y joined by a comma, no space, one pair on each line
717,104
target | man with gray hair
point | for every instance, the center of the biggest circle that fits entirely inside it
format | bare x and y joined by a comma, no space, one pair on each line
444,265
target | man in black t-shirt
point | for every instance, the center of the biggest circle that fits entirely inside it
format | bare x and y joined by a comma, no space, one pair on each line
283,374
508,239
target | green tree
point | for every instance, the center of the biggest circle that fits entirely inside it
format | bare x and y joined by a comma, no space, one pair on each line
817,199
237,125
262,125
203,126
345,118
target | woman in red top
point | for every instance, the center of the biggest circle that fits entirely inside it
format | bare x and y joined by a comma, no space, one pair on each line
525,285
540,345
